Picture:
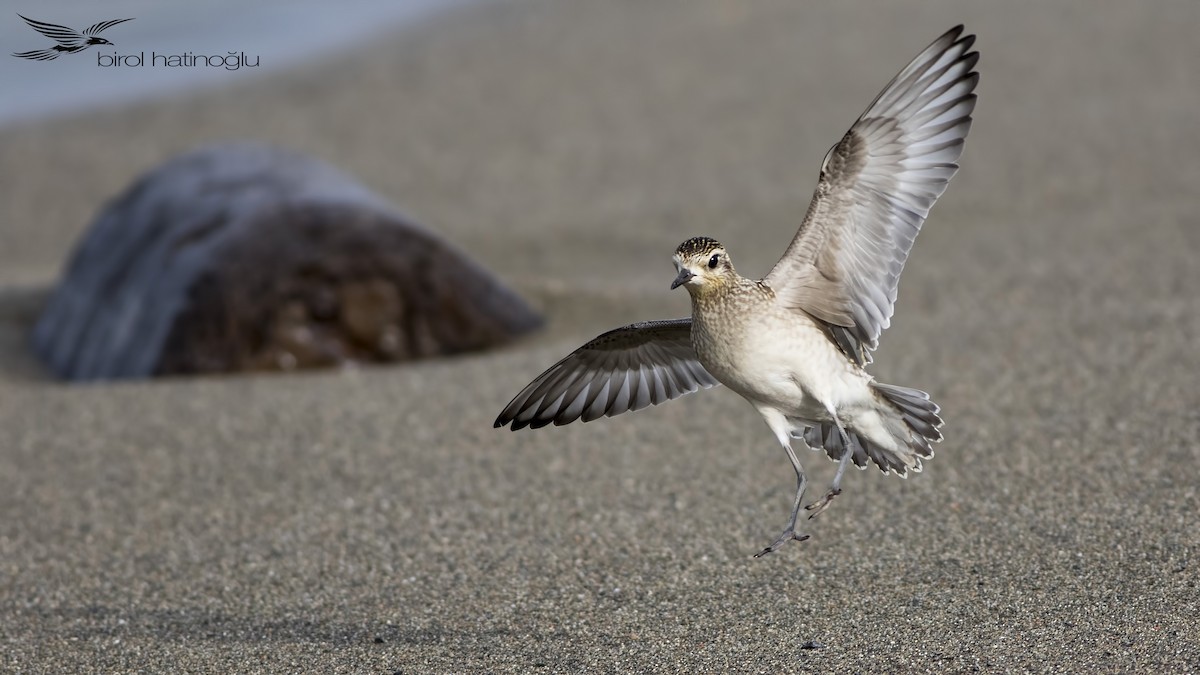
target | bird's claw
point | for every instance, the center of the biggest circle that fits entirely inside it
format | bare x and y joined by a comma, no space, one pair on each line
821,504
788,535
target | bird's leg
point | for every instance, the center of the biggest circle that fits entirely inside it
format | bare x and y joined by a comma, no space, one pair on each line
835,488
789,532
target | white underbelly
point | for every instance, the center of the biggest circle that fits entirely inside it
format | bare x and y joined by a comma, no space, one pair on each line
795,370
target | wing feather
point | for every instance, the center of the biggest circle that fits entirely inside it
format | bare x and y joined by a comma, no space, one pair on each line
876,188
67,37
96,29
624,369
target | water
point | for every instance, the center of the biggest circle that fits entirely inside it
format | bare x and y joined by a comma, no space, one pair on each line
275,34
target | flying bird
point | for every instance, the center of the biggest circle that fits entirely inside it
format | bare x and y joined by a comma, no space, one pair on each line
69,40
795,343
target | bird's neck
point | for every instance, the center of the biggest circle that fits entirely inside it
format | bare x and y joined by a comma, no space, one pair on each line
711,297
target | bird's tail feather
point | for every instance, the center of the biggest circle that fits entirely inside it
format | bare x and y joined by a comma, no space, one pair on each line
909,417
38,54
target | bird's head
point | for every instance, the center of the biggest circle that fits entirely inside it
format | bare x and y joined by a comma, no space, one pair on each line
98,41
703,265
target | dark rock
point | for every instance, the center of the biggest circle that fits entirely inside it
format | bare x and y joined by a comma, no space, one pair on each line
242,257
813,644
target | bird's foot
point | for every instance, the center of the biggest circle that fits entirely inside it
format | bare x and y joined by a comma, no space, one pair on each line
823,503
788,535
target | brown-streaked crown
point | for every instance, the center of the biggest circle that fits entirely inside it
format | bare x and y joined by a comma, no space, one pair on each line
698,246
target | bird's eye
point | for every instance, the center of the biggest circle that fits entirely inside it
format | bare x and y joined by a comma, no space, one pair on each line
712,262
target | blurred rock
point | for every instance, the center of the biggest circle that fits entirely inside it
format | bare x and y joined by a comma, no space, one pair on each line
242,257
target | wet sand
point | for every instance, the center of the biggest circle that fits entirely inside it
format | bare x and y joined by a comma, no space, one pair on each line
373,521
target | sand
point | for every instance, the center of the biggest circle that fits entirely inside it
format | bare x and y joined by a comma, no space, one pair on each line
373,521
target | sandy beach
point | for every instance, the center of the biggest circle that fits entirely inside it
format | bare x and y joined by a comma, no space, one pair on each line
373,521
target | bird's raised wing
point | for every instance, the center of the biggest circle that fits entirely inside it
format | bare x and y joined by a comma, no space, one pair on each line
876,188
624,369
67,37
91,31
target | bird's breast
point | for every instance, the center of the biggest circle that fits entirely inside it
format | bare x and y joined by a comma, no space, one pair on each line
778,357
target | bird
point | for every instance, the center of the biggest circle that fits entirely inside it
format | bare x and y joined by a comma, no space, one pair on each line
69,40
795,344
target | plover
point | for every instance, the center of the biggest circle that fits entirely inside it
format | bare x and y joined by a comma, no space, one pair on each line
795,343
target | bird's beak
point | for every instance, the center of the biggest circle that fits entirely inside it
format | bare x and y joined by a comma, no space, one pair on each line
685,275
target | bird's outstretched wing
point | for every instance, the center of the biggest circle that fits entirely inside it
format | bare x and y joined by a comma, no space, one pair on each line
624,369
67,37
92,31
876,188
